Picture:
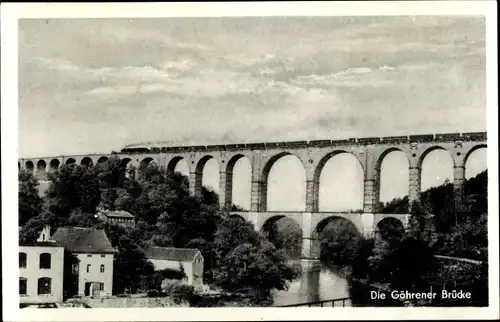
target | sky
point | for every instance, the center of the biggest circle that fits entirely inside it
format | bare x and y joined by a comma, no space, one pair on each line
96,85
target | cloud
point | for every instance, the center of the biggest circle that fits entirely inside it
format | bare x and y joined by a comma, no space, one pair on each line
246,79
350,77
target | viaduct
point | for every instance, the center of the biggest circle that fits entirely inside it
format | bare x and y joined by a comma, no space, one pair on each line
370,153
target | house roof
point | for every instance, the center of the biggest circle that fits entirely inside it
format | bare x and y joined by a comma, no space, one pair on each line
117,214
171,253
83,240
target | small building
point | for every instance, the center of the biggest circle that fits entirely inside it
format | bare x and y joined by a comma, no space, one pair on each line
41,266
117,217
94,254
172,258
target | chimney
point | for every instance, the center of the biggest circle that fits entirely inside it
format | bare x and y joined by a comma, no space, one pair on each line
45,234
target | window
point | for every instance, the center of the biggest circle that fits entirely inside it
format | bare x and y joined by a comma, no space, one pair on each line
45,259
89,255
102,269
100,287
22,260
88,268
74,268
23,286
103,256
44,285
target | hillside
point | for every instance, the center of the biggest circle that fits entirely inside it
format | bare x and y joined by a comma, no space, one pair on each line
453,230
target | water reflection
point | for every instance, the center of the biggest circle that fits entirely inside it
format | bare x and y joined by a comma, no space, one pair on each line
311,287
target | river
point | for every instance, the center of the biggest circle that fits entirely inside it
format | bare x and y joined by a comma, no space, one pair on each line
310,288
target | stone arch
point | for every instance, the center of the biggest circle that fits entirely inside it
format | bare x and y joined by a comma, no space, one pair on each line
474,148
87,162
41,166
201,163
127,166
236,216
230,179
199,172
102,159
326,158
172,164
424,183
54,165
317,185
470,152
29,166
267,170
145,162
321,225
431,149
345,230
70,161
268,224
232,162
390,227
386,152
125,162
379,173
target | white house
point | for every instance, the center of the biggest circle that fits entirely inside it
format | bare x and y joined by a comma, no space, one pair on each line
171,258
41,267
94,254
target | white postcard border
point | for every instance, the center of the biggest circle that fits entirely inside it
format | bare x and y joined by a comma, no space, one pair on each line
10,14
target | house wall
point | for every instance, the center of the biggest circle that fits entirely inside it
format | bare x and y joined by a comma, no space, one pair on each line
193,270
95,275
198,270
33,272
124,222
160,264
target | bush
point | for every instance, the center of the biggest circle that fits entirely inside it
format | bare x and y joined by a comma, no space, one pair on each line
178,292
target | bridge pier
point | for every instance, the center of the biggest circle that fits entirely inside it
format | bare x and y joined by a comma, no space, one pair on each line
414,189
458,184
370,195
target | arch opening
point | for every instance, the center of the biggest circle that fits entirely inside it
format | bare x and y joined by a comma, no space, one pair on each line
476,161
390,228
128,168
341,183
239,181
178,164
41,166
436,168
285,233
339,239
285,184
394,178
145,162
29,166
70,161
54,165
207,171
237,217
87,162
102,160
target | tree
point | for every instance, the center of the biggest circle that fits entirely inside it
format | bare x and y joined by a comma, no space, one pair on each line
72,187
340,240
246,262
30,203
286,234
130,263
30,232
